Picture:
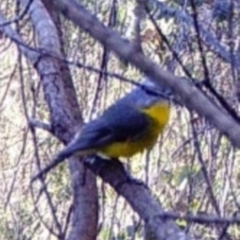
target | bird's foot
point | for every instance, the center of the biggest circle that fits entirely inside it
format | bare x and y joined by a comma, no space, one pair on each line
115,170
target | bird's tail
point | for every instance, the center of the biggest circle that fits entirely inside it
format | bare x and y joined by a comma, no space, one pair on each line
67,152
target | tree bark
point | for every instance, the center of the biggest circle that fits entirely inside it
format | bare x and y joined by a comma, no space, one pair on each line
191,96
65,115
139,197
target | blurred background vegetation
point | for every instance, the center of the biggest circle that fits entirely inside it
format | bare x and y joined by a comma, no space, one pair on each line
192,168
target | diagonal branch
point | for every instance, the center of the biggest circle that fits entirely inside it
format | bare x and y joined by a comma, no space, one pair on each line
138,196
191,96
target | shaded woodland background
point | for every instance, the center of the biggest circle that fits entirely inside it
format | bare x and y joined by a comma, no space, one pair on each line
193,169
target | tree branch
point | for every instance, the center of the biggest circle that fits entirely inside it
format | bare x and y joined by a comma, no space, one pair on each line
191,96
138,196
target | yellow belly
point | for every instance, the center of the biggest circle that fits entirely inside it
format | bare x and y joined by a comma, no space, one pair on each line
159,115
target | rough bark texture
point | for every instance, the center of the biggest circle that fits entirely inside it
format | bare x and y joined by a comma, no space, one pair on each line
65,116
190,95
139,197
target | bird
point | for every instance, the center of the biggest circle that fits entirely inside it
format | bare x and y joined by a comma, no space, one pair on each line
129,126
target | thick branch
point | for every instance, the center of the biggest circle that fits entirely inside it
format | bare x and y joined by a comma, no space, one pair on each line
191,96
65,117
138,196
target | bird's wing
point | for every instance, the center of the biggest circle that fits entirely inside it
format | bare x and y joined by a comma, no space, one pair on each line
117,124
